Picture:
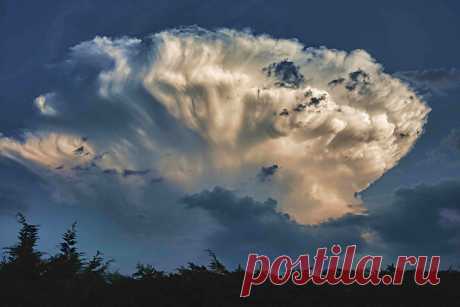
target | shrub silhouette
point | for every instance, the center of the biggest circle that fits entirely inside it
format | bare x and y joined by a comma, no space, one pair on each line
68,279
146,272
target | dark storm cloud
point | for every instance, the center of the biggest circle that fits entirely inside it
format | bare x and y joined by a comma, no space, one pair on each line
420,216
415,219
248,225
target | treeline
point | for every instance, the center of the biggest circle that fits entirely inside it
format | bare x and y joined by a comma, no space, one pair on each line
27,278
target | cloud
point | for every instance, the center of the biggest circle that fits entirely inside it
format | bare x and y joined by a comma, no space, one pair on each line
435,81
420,216
130,172
201,108
415,218
44,103
247,225
452,140
286,72
446,154
266,172
47,150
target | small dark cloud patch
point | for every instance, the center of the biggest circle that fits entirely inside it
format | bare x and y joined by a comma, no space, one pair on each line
79,151
358,78
100,156
286,72
83,168
110,171
157,180
311,101
336,82
130,172
300,107
315,101
284,112
308,93
267,172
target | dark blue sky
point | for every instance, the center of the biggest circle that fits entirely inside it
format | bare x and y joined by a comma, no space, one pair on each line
422,37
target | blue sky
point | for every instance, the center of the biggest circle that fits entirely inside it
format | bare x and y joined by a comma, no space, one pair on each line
416,41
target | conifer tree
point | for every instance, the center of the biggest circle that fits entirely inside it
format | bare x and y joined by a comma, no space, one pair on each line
23,259
68,263
97,266
147,271
215,265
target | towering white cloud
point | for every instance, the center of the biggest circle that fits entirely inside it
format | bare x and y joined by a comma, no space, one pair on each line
201,108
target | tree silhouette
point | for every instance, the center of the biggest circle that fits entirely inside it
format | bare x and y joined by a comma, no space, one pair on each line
215,265
146,272
97,267
68,262
23,259
66,279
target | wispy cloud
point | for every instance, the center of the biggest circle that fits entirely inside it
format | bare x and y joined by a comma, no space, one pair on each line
432,81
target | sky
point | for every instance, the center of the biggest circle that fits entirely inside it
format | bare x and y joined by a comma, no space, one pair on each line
170,127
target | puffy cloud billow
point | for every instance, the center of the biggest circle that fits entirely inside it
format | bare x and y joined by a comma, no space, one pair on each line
194,108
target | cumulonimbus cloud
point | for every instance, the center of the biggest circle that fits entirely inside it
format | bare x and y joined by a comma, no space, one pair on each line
202,108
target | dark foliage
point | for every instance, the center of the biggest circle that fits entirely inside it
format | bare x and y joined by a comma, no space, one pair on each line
23,260
67,279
